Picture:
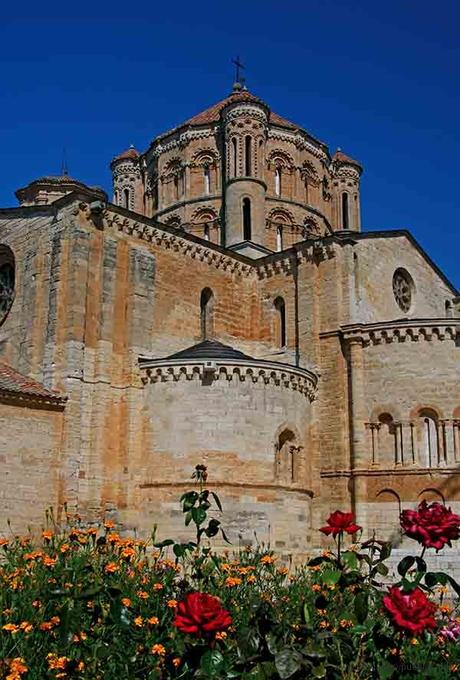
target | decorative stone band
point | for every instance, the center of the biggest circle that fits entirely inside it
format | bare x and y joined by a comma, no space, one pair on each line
393,471
231,485
300,142
405,330
33,400
255,371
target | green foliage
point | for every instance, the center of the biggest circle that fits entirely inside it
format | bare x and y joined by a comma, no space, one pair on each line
87,603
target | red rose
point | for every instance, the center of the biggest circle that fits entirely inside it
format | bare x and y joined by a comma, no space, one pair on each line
410,612
201,614
431,525
340,521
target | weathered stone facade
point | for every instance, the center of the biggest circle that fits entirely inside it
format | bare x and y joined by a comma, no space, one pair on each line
329,376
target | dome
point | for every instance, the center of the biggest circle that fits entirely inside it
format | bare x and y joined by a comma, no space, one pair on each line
129,154
342,159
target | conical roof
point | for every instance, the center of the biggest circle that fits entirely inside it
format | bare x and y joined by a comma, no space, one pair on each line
211,349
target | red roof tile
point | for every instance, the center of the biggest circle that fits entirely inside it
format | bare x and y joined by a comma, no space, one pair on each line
341,157
212,114
127,154
13,382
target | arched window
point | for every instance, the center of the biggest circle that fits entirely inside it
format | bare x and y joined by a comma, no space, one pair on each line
207,181
279,237
286,457
280,327
278,181
206,232
428,438
7,280
176,187
306,190
126,197
387,437
247,227
234,157
116,197
345,215
448,308
248,159
207,313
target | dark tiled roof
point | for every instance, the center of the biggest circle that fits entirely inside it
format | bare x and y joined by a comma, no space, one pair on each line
210,349
212,114
13,382
340,157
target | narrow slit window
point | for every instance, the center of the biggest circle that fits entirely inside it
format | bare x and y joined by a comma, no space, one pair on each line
207,181
278,181
247,228
345,216
126,196
234,157
248,160
279,238
207,313
280,322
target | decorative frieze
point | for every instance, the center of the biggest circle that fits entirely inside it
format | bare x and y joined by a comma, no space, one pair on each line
409,330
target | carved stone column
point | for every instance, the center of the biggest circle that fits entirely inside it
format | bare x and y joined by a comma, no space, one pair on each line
359,457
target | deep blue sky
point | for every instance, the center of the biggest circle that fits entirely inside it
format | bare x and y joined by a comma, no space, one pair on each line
378,79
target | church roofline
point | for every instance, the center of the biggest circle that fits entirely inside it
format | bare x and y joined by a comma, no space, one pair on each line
339,237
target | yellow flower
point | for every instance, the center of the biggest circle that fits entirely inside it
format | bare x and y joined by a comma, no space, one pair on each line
138,621
251,578
159,650
414,641
445,608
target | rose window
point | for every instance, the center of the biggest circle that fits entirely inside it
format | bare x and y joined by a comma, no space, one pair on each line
402,289
6,281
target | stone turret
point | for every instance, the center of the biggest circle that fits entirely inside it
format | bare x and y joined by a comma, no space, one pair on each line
346,174
128,191
245,125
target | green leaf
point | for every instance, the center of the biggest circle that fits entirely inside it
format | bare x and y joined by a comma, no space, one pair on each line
217,500
386,669
213,528
212,662
382,569
385,551
224,536
163,544
361,607
421,564
306,614
198,515
287,663
188,500
319,671
350,560
405,564
331,576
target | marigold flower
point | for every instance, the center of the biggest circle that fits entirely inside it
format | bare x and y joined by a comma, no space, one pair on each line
138,621
324,624
316,588
251,578
157,586
158,650
232,581
125,601
345,623
176,662
109,524
81,666
18,667
414,641
153,620
57,662
111,568
26,626
11,628
128,553
65,547
47,535
221,635
268,559
3,542
49,561
143,595
172,604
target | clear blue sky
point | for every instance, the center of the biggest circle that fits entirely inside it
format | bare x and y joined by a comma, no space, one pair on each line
378,79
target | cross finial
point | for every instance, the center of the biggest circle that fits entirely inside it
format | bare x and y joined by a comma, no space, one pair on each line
64,168
239,80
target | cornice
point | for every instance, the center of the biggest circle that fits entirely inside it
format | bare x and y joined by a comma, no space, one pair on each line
267,372
400,330
400,471
299,140
15,398
154,484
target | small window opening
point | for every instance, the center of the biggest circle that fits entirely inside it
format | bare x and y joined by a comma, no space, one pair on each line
280,322
207,313
279,238
345,216
278,181
235,157
248,160
207,181
246,219
126,197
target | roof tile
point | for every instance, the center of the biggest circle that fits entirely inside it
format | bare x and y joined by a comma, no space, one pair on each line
12,381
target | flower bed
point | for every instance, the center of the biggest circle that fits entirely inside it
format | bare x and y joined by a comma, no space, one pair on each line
85,602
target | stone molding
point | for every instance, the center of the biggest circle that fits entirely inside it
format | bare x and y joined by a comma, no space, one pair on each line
404,330
270,373
399,471
242,109
300,142
181,140
231,485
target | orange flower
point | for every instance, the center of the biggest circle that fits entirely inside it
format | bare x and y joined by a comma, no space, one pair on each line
159,650
128,553
111,568
47,535
57,662
143,594
157,586
251,578
126,601
316,588
139,621
109,524
153,620
3,542
11,628
17,668
221,635
92,531
49,561
81,666
176,662
172,604
232,581
65,547
26,626
268,559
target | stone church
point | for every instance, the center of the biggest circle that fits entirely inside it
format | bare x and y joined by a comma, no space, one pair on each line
225,308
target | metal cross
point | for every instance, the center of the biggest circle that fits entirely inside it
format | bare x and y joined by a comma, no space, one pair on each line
238,66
